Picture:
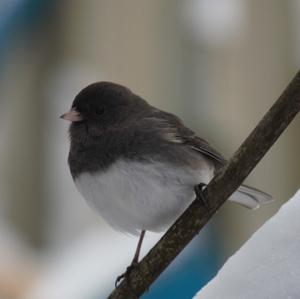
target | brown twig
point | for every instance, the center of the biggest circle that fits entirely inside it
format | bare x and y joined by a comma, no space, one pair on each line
220,188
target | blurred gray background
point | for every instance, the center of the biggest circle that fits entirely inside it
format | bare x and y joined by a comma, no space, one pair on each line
218,64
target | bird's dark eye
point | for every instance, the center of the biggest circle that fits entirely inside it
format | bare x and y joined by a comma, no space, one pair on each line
99,110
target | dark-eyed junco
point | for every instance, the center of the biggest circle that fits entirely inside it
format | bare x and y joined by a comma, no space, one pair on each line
138,165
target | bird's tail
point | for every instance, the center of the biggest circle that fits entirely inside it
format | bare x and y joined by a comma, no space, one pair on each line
250,197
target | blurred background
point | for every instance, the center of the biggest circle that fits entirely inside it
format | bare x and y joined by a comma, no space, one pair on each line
218,64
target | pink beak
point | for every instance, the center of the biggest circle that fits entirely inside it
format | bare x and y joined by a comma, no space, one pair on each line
72,116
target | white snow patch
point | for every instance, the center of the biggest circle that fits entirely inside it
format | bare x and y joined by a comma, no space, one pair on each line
268,264
88,267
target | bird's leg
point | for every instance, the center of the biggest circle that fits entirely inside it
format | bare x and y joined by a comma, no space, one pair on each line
138,248
135,259
200,194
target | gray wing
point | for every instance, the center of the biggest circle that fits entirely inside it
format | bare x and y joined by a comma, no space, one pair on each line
174,130
200,145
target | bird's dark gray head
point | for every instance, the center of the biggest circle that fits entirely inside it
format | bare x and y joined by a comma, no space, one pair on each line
103,104
101,98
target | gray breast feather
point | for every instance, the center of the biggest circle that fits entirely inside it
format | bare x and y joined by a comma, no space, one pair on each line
132,196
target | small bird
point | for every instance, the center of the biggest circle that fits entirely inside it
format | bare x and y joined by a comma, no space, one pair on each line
138,165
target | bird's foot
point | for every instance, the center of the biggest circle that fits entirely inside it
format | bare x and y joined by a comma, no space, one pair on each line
201,194
126,274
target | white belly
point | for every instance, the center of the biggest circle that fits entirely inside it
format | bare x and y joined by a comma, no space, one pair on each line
134,196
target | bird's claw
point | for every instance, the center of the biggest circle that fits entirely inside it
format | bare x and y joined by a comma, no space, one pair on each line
201,194
126,274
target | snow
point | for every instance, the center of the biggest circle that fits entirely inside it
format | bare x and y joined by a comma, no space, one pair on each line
80,271
267,265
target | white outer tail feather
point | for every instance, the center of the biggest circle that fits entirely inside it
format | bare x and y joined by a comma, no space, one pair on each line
250,197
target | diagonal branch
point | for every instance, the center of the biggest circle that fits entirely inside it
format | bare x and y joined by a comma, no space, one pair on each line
219,189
